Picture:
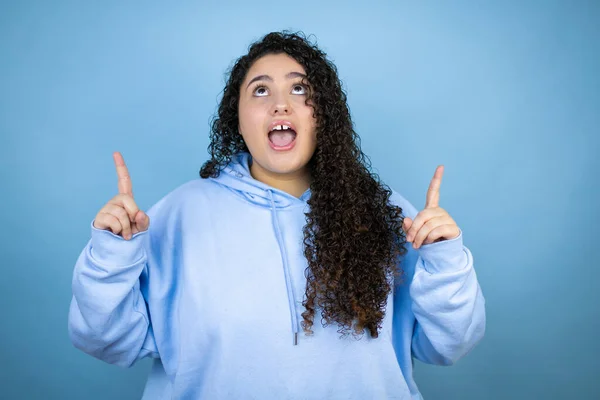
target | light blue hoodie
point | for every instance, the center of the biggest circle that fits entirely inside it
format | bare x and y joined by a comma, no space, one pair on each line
213,292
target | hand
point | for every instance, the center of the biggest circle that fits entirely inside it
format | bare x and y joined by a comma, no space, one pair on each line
121,215
433,224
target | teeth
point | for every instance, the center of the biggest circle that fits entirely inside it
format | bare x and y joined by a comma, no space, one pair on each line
281,128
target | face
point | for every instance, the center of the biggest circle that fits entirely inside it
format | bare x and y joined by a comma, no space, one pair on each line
274,120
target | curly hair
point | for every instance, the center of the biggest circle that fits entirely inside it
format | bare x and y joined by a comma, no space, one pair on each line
353,237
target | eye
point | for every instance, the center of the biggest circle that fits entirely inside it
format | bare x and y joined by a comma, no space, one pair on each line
260,91
299,89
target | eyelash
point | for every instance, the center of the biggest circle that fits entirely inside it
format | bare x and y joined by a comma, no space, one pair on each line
261,86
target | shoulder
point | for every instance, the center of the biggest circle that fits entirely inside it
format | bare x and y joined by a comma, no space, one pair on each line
192,187
408,210
189,192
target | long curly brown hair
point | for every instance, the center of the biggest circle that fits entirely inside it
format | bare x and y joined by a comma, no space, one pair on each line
353,235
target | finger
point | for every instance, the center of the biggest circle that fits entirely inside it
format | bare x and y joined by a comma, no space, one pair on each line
128,203
100,222
433,193
406,224
443,232
121,215
426,230
421,218
108,221
142,221
122,174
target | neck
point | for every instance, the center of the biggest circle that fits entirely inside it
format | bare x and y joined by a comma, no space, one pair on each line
295,183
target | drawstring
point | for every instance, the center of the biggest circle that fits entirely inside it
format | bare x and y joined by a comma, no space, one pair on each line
286,270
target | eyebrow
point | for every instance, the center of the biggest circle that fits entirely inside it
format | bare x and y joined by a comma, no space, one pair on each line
291,75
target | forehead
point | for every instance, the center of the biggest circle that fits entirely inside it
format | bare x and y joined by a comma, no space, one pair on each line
274,65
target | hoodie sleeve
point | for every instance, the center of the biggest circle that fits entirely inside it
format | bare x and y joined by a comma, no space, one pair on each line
108,316
447,302
445,298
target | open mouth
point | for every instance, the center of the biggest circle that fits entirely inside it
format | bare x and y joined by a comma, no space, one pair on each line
282,136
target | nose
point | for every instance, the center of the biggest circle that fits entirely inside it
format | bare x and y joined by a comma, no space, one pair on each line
281,106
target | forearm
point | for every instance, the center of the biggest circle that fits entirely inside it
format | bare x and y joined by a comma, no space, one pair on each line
108,317
447,302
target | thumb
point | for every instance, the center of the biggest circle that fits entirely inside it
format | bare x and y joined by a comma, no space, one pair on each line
406,224
142,221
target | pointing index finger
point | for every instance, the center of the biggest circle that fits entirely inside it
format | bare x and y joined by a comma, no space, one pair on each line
122,174
433,193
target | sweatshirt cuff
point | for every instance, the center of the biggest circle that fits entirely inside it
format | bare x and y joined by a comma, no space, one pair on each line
446,256
112,250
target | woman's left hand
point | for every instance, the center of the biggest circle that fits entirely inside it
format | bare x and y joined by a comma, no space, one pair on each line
433,224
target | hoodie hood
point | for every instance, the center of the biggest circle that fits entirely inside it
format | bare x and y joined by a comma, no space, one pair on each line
236,177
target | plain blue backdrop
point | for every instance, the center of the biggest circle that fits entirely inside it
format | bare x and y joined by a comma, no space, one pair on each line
505,94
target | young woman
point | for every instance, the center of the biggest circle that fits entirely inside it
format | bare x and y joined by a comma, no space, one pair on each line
286,271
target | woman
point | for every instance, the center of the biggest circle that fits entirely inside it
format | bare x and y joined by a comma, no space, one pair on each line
285,272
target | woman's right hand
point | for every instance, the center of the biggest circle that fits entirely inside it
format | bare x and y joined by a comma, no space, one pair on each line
121,215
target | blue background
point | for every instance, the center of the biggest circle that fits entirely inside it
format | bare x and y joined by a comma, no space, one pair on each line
505,94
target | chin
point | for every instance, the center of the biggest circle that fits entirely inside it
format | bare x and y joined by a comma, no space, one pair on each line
283,163
283,166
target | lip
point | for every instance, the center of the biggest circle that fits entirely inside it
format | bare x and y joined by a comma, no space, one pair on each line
281,122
